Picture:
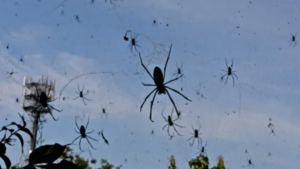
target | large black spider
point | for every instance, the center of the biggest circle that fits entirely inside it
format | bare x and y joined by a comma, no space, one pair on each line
170,123
42,100
196,135
229,72
293,40
81,95
160,87
83,133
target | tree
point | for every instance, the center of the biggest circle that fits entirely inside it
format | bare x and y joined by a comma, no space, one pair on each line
202,162
172,163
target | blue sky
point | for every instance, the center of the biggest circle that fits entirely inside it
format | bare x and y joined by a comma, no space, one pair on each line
203,35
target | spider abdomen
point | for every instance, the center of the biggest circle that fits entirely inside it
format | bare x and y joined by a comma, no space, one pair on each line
158,76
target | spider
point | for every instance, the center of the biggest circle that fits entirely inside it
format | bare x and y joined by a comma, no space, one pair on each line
125,36
77,18
229,72
62,12
42,99
9,74
203,149
172,136
104,112
196,135
179,72
272,132
154,23
133,43
83,133
160,87
21,60
81,95
105,140
270,125
250,164
152,132
7,46
92,1
293,40
170,123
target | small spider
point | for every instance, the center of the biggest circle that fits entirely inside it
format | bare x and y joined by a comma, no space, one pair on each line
172,136
229,72
179,71
154,23
272,132
42,99
125,36
133,43
21,60
77,18
152,132
104,112
81,95
92,1
105,140
62,12
160,87
202,150
9,74
250,164
270,125
293,40
83,133
7,46
269,154
170,123
246,151
196,135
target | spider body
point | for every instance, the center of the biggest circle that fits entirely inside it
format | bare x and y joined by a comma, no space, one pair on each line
133,43
250,164
170,123
77,18
104,112
203,150
81,95
293,40
196,135
154,23
161,88
83,133
229,72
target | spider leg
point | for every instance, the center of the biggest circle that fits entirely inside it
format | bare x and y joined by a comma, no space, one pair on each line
231,63
164,116
172,102
76,123
226,63
83,101
145,67
87,92
193,127
82,88
165,126
173,80
76,139
87,99
89,132
50,112
176,131
90,143
106,115
193,141
76,97
168,131
178,125
178,93
148,84
190,138
78,88
92,138
147,98
167,62
76,131
226,79
80,144
55,108
232,79
151,105
87,124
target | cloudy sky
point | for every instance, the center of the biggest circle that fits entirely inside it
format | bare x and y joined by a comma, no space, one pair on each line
255,35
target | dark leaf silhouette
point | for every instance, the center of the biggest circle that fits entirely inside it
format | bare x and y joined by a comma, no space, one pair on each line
25,130
46,154
24,122
6,160
21,139
2,149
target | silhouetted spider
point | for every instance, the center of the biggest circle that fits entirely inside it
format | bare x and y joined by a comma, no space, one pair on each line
9,74
293,40
171,123
105,140
179,71
81,95
161,88
250,164
203,149
104,112
272,132
62,12
125,36
83,133
154,23
7,46
229,72
77,18
133,43
42,99
21,60
92,1
196,135
152,132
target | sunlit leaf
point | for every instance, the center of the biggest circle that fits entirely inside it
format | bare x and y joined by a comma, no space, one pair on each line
6,160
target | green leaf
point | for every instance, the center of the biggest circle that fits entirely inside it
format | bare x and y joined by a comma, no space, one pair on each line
21,140
6,160
23,119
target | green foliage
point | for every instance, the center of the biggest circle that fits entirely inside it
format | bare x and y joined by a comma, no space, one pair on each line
220,164
200,162
172,163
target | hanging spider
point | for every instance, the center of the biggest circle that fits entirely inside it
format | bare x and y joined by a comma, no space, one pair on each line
179,71
7,46
203,150
172,136
160,87
154,23
125,36
293,40
270,125
92,2
196,135
229,72
9,74
133,43
83,133
272,132
43,99
152,132
250,164
104,112
81,95
105,140
170,123
21,60
77,18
